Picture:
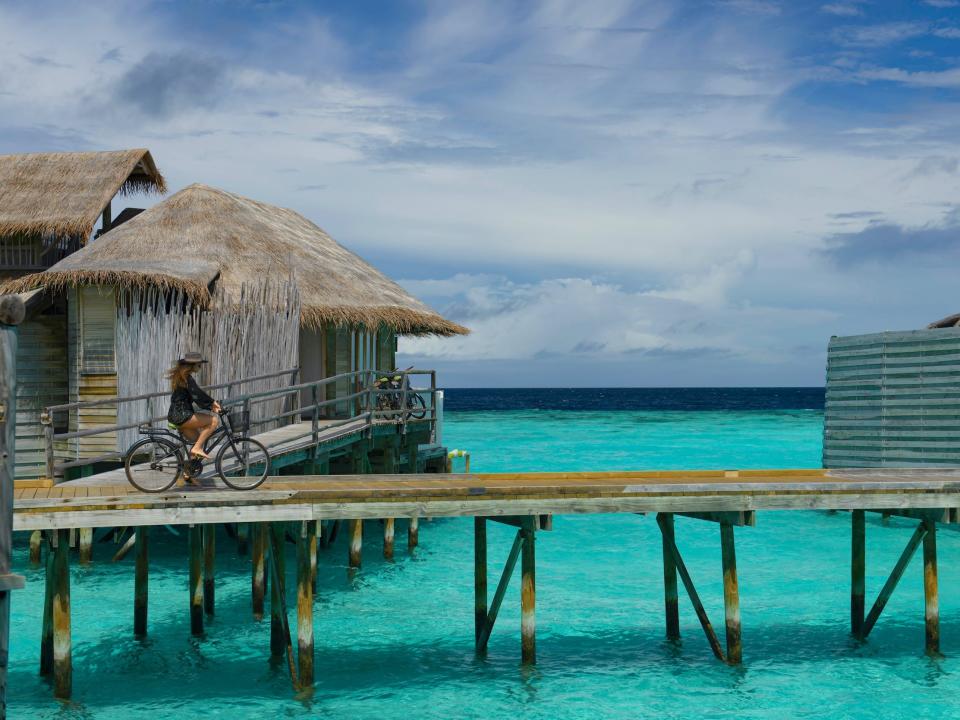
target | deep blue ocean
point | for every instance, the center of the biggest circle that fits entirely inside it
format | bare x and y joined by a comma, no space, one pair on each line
396,639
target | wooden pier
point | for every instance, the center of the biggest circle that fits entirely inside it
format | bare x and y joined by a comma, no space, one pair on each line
299,506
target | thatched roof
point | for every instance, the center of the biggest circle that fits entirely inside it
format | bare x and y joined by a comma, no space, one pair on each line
202,234
949,321
63,194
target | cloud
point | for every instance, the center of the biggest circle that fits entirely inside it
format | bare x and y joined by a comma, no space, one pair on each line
922,78
936,165
877,35
161,85
843,9
890,242
42,61
942,3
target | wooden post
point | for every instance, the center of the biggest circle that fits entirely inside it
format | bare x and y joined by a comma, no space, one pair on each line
141,582
413,533
209,566
243,533
306,555
356,543
46,633
195,542
388,524
36,543
86,545
479,578
891,584
60,602
930,589
731,594
258,582
858,566
670,596
528,593
314,545
278,619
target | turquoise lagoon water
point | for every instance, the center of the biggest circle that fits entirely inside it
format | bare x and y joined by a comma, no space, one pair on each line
396,640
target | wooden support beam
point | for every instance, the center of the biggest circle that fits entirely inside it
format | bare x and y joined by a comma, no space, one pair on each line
479,577
941,515
930,589
279,638
540,522
666,530
388,529
141,582
125,548
528,594
243,534
894,578
209,567
195,543
86,545
731,594
317,528
258,580
356,543
670,596
306,559
738,518
500,591
413,534
60,603
858,567
280,642
36,544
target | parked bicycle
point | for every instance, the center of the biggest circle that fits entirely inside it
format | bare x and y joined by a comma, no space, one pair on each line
390,396
158,461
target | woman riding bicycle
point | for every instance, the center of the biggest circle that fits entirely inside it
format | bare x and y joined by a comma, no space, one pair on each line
195,426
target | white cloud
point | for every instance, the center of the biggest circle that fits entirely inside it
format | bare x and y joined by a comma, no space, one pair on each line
843,9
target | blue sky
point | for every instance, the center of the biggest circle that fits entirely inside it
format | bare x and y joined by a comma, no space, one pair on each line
607,193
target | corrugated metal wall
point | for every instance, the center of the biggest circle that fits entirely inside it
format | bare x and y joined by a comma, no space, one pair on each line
893,400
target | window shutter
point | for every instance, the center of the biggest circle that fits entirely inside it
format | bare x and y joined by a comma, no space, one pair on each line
97,327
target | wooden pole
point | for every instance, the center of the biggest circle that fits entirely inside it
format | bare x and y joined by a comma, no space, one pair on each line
195,543
479,578
413,534
356,543
858,567
60,601
36,543
306,554
670,596
278,619
388,524
258,583
141,581
731,594
528,594
930,589
209,567
86,545
501,590
243,532
314,543
46,633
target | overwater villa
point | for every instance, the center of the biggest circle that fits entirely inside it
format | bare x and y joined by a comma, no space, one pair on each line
259,290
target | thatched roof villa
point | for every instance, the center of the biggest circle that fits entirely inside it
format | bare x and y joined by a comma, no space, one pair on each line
255,287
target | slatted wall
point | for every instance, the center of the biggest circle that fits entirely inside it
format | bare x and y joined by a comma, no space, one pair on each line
893,400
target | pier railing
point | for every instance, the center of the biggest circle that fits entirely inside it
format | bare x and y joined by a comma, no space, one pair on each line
366,405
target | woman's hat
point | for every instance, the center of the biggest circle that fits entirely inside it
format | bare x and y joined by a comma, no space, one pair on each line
191,358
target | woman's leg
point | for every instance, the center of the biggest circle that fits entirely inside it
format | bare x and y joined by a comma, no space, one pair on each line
199,428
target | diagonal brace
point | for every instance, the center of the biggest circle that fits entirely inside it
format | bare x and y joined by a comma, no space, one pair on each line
894,579
486,625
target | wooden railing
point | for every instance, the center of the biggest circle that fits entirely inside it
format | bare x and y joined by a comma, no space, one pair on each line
361,407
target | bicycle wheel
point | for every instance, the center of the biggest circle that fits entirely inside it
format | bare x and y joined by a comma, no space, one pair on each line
153,465
243,463
416,407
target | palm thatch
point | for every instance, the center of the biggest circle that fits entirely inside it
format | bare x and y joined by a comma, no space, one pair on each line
201,234
947,322
63,194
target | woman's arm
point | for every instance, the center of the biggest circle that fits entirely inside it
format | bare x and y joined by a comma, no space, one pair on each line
198,395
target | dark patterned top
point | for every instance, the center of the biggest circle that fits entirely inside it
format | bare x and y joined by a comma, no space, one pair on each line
183,399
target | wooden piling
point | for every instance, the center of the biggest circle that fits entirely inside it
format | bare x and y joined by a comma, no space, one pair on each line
306,555
731,594
209,567
46,632
278,619
60,602
930,589
528,594
195,542
388,527
670,597
36,544
141,582
356,543
86,545
479,578
314,543
413,533
258,582
243,534
858,568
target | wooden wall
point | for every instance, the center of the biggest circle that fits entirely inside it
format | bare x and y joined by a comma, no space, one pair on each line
893,400
41,382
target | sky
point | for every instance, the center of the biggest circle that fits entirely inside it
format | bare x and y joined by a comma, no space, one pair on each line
607,193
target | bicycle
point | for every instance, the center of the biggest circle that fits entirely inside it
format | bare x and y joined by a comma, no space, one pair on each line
158,461
390,394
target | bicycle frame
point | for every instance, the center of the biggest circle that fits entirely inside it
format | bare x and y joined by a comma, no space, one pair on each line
225,429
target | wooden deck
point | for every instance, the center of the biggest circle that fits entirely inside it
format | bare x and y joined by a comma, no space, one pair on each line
103,501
